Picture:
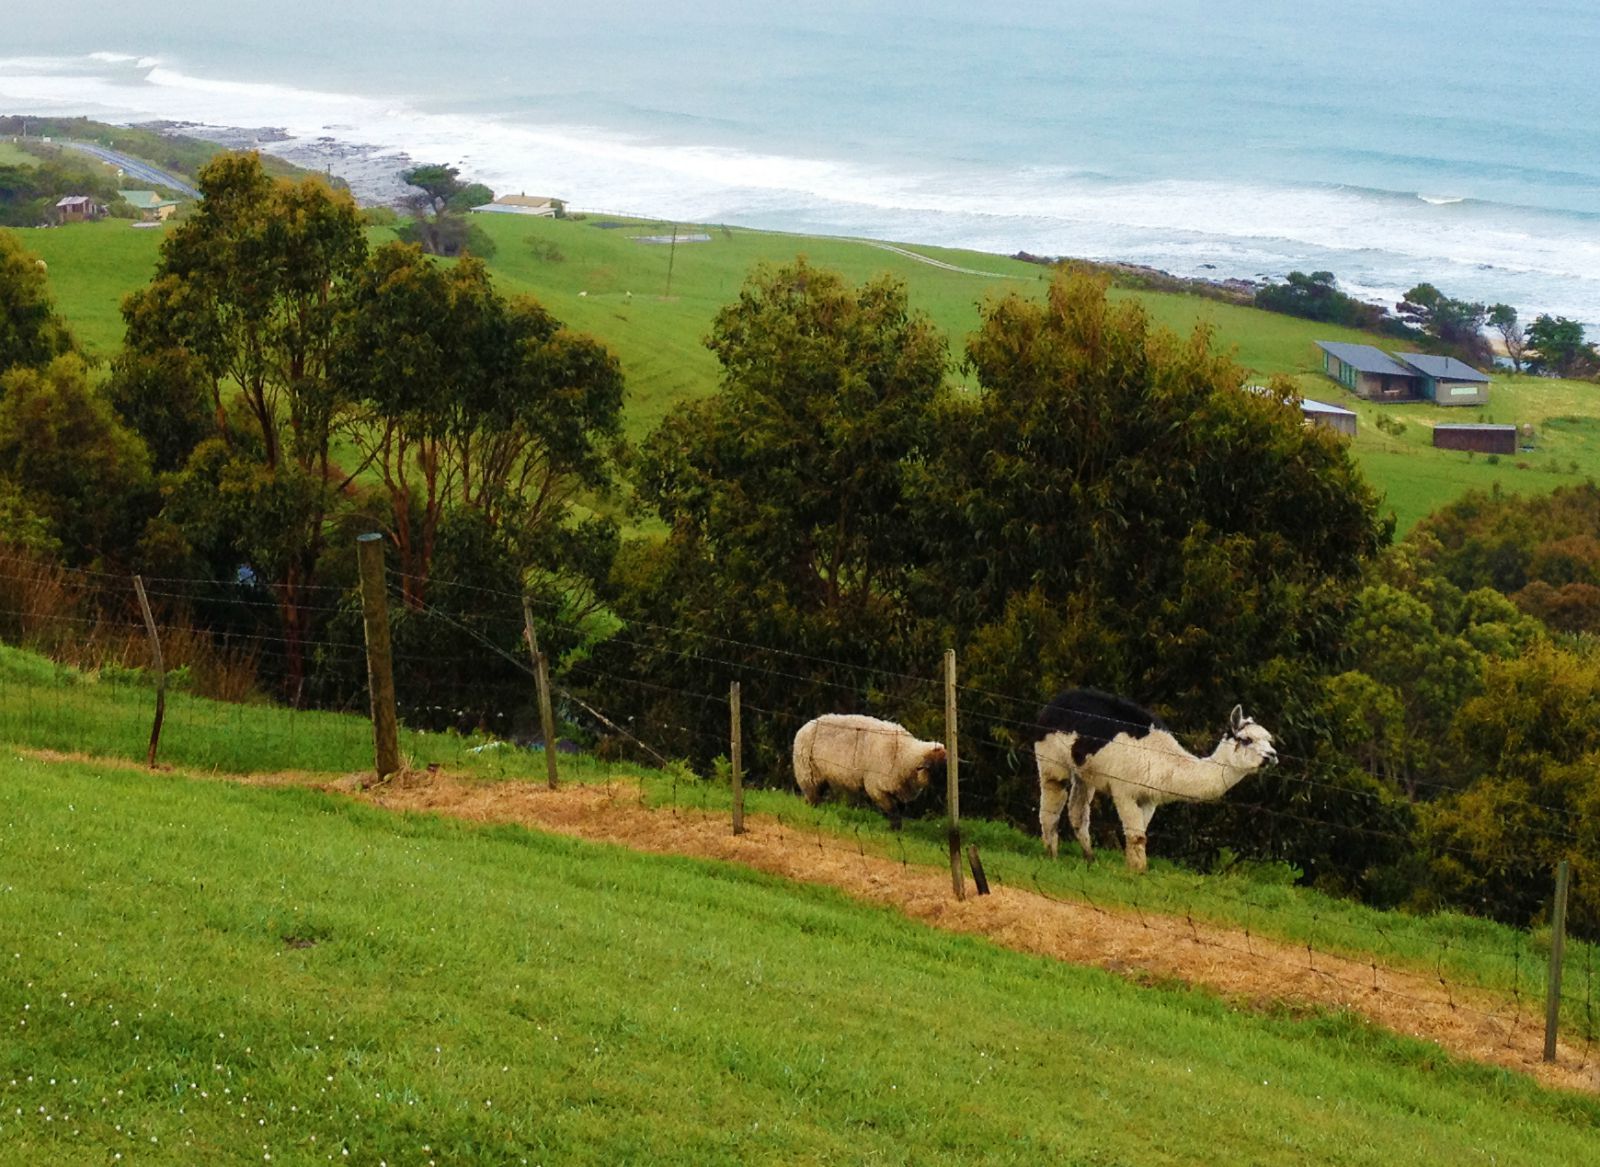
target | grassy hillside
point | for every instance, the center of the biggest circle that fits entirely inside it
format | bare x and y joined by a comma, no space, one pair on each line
654,304
45,706
92,267
202,972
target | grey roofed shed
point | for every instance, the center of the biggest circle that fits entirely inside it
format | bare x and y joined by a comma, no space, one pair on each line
1365,358
1443,368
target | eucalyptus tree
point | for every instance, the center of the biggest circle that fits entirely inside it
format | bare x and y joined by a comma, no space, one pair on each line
468,402
244,306
786,497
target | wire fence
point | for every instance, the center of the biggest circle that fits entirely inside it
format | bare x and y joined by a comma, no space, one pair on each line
467,699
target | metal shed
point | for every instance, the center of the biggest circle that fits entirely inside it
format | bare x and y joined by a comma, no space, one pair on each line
1482,439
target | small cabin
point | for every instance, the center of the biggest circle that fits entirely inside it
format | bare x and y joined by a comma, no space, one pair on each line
1447,381
1335,417
1368,372
150,206
523,204
1479,439
77,209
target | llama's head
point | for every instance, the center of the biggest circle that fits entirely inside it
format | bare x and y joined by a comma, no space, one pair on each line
1251,743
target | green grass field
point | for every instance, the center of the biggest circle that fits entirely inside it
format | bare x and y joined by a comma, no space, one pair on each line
44,706
202,972
654,304
92,267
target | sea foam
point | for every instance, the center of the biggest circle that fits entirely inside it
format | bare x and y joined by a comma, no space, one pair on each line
1378,242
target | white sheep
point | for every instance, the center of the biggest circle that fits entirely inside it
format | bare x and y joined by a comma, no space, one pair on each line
863,755
1098,743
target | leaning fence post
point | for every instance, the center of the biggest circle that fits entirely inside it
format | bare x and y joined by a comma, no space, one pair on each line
737,757
1558,948
161,672
380,662
953,775
541,678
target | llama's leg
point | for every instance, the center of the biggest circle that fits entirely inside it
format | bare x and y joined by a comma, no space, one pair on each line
1079,803
1133,830
1052,797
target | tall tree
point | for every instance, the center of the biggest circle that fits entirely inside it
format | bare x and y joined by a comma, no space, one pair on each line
786,497
248,290
1503,318
468,401
1455,323
1559,347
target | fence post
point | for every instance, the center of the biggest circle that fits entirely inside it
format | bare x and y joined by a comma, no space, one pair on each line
953,775
737,747
541,678
161,672
380,662
1558,948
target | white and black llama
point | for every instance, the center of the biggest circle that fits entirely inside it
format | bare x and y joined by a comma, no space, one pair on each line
1088,742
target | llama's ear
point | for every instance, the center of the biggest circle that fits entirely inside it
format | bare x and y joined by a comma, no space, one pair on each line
1236,718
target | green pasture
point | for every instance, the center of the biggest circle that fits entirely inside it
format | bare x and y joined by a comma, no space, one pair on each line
199,972
13,155
654,304
107,714
92,267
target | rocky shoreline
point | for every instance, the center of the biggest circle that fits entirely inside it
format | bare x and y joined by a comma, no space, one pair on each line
371,172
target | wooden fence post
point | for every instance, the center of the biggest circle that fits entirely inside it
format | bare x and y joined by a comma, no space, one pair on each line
737,747
161,672
541,678
380,661
1558,949
953,775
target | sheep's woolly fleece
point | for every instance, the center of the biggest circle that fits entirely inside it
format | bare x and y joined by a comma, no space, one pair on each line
1142,946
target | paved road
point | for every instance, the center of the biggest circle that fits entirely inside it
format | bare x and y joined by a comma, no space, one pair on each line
135,169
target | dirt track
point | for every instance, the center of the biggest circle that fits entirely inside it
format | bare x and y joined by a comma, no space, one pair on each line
1478,1026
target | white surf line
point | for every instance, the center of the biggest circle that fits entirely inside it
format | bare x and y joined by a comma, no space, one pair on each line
966,271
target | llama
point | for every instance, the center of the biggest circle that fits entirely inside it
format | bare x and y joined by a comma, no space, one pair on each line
862,755
1097,743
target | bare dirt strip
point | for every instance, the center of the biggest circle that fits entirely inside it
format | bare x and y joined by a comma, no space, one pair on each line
1143,946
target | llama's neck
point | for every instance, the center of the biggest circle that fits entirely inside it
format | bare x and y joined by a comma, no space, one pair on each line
1207,779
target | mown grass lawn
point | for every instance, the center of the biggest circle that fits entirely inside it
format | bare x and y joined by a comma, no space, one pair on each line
203,972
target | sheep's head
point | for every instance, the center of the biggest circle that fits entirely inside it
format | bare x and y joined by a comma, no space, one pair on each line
932,768
1252,740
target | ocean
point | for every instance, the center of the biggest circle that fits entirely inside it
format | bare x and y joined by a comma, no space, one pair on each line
1389,144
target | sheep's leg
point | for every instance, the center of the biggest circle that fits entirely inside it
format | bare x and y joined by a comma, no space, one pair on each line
1079,803
1052,797
1134,820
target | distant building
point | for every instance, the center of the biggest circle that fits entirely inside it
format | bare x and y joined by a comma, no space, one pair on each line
1448,381
1369,373
1375,375
1482,439
521,204
1335,417
77,208
151,206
